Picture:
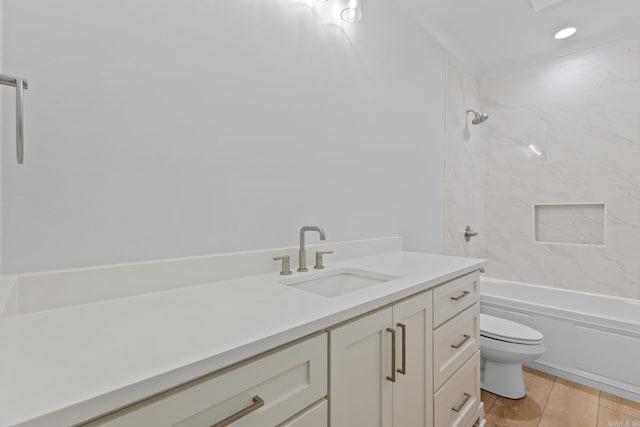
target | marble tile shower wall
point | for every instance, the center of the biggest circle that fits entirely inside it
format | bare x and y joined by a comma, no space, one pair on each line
564,132
465,204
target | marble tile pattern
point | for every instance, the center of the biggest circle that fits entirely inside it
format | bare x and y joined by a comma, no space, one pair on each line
566,131
465,205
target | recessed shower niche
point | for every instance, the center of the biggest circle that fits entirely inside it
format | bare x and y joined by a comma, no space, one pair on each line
572,223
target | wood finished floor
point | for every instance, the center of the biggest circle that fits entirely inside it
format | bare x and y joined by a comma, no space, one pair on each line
556,402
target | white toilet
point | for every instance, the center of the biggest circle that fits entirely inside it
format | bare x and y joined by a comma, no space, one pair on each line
504,347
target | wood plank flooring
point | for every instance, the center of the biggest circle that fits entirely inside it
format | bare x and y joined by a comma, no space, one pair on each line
556,402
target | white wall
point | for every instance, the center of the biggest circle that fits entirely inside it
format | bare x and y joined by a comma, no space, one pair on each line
162,128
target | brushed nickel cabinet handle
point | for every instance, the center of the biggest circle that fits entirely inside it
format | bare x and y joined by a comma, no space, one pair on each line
20,84
257,404
392,378
462,342
462,295
458,408
403,370
20,120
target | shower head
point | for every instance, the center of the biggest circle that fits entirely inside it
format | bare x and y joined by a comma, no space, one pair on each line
478,117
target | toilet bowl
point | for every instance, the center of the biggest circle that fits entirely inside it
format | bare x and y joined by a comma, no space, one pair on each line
504,347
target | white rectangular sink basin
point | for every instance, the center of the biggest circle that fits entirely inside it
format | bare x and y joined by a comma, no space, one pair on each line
337,282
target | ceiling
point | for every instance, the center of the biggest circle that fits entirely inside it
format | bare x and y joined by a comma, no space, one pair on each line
488,34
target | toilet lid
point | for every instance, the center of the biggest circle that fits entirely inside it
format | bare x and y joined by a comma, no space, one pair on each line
506,330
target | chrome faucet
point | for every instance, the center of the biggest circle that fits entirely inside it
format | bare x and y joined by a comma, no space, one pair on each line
302,255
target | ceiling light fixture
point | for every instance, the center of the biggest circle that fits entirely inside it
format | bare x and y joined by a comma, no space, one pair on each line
565,33
353,12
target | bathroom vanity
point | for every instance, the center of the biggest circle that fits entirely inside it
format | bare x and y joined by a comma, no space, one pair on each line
397,347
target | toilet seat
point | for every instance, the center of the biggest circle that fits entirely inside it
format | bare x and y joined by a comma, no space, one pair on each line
505,330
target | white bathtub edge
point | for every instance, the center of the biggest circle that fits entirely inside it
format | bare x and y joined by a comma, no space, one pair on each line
552,288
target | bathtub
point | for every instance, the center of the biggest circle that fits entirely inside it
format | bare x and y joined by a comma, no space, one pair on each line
590,339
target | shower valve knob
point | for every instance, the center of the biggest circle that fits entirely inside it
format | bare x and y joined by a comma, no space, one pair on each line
469,233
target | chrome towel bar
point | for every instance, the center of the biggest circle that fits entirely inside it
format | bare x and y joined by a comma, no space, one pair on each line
21,85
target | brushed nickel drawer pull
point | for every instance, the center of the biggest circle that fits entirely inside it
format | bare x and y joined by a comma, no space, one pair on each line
257,404
462,342
458,408
20,120
21,85
403,370
392,378
462,295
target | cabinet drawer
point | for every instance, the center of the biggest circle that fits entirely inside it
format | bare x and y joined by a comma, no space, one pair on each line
478,419
286,381
458,400
453,297
316,416
453,344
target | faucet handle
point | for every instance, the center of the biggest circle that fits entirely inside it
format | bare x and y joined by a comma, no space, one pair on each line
286,265
319,265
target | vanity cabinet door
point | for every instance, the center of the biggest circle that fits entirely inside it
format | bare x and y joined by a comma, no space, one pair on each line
366,387
412,398
360,359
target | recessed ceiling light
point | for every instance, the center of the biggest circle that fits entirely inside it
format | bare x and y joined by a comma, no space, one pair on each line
565,33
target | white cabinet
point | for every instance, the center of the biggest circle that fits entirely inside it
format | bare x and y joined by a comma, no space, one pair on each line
360,355
456,345
316,416
393,369
457,402
381,368
412,400
263,392
452,297
414,363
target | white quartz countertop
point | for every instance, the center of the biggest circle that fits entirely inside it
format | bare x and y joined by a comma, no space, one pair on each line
61,367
